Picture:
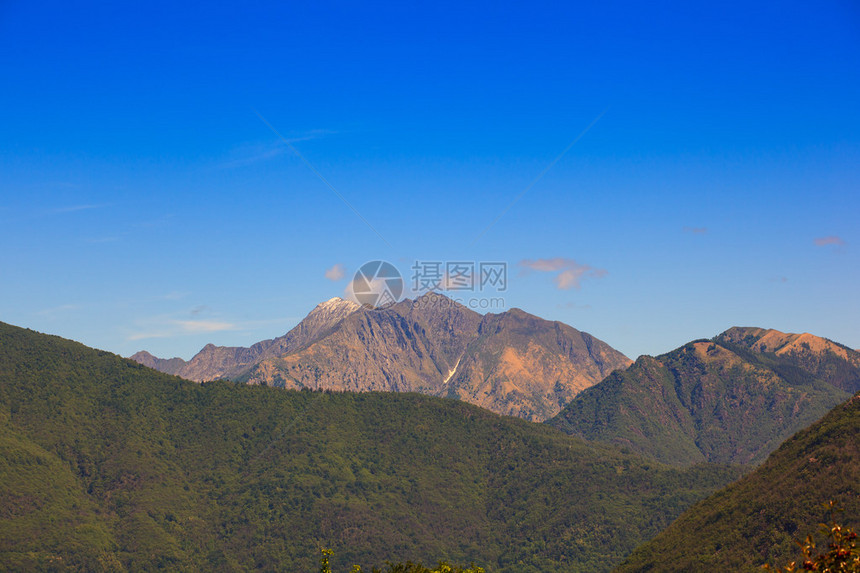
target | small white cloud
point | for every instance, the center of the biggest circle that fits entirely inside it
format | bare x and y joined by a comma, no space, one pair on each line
336,272
696,230
573,305
829,240
570,273
546,265
571,278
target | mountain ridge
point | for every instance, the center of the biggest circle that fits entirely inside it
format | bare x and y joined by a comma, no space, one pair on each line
715,400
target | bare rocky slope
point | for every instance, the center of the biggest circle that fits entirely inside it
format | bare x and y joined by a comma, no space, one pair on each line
512,363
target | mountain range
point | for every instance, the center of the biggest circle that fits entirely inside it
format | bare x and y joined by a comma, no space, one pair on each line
732,399
107,465
512,363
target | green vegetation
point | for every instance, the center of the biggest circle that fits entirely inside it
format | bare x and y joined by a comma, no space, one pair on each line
408,567
757,519
106,465
707,401
841,553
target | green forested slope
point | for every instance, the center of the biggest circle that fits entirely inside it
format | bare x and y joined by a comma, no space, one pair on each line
755,520
108,465
44,513
705,401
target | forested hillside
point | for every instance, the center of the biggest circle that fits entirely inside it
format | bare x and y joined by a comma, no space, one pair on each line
757,519
713,400
108,465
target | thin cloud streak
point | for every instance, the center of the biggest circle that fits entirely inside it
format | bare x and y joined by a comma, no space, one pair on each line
162,327
176,328
195,326
76,208
829,240
570,273
51,313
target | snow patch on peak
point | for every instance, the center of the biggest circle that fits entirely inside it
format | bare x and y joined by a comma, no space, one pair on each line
332,309
337,303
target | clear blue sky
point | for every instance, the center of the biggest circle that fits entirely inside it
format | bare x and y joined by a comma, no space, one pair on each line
145,205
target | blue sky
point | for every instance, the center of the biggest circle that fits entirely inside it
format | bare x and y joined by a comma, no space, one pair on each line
145,205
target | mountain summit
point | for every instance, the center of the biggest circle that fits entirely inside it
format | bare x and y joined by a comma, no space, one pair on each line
512,363
833,362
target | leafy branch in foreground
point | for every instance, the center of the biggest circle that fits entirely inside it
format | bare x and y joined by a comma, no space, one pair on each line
407,567
842,554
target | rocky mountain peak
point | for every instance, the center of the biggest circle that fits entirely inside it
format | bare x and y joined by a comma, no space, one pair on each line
833,362
336,303
512,363
332,310
780,343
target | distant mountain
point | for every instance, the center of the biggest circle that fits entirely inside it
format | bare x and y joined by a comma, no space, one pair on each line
755,520
404,348
732,399
511,363
166,365
106,465
827,360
